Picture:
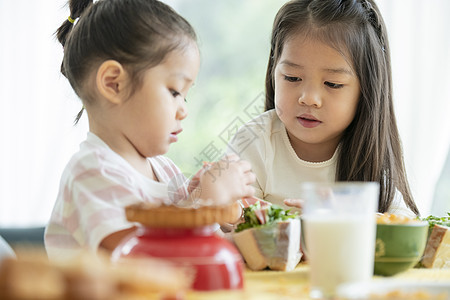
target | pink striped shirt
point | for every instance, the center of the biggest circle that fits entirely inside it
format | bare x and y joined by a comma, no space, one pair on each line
96,185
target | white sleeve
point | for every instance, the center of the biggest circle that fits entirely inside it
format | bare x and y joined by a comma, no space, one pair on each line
90,207
398,206
100,203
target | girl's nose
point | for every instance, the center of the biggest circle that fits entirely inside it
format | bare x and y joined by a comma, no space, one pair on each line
182,110
310,96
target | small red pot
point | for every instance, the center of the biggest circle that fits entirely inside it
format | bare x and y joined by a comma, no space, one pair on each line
217,263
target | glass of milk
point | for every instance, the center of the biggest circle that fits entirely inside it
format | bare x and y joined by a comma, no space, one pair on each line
339,228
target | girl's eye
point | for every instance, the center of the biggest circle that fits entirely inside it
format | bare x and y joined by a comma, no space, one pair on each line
333,85
175,93
292,79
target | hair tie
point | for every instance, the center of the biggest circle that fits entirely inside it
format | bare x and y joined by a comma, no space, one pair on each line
71,20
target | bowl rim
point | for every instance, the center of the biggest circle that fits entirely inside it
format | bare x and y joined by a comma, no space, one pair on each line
412,224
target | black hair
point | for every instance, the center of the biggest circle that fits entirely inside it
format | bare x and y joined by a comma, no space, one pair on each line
136,33
370,149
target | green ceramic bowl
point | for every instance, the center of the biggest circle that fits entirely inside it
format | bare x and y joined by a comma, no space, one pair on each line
399,247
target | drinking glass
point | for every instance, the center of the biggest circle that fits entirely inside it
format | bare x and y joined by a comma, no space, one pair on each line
339,227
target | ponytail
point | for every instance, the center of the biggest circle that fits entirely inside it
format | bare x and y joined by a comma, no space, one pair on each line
77,7
136,33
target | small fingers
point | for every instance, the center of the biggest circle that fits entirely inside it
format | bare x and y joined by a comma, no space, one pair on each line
249,191
247,201
193,184
231,158
234,158
245,166
249,177
294,202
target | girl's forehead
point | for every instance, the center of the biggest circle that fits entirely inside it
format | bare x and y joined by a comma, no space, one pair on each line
318,38
297,45
183,62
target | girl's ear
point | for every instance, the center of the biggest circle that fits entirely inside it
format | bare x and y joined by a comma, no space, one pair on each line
110,80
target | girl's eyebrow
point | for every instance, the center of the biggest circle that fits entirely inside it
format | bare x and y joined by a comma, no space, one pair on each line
339,71
188,81
328,70
182,76
290,64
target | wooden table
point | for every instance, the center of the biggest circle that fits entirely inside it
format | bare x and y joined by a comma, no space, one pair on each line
276,285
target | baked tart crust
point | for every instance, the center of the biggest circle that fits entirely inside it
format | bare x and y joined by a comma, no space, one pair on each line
171,216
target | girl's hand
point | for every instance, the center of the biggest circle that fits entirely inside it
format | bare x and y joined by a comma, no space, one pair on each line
294,203
246,202
225,181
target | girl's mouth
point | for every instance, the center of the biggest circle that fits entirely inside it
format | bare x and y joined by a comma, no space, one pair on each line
174,135
308,121
177,132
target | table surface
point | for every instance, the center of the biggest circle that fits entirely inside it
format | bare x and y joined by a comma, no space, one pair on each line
277,285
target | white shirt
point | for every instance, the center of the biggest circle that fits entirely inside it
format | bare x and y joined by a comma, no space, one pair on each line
96,185
264,142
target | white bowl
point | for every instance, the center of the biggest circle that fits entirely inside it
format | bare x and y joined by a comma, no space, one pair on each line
408,290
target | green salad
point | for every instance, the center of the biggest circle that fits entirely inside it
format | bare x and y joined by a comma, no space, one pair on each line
273,214
433,220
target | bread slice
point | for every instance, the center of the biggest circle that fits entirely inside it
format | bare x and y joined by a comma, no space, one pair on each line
32,276
437,250
275,246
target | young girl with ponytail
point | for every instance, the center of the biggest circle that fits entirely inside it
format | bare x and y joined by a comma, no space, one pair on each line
132,63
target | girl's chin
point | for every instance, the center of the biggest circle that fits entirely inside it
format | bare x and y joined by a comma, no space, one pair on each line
302,138
158,151
173,138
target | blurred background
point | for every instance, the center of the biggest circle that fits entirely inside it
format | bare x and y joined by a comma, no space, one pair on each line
38,106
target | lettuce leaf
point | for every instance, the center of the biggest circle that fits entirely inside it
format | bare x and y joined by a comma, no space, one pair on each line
274,213
433,220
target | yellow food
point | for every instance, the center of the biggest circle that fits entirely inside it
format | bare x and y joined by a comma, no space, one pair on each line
399,295
387,218
437,250
33,277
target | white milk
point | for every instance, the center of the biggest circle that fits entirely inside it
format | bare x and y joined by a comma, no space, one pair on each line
340,249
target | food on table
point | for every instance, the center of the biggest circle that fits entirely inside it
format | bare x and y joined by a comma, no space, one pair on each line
433,220
387,218
32,276
437,250
257,215
170,216
419,288
400,295
400,243
269,237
